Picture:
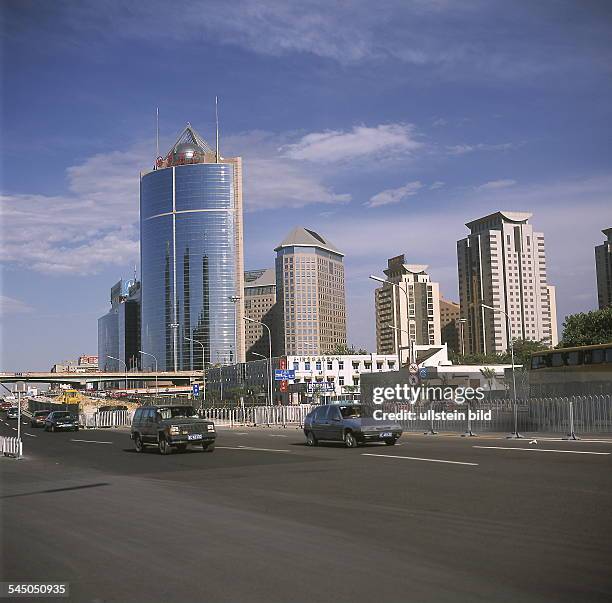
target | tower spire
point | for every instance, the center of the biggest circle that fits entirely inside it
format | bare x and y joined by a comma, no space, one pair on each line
217,129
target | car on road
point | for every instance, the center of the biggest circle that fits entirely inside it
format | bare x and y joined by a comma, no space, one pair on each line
61,419
38,418
12,412
348,423
174,426
6,404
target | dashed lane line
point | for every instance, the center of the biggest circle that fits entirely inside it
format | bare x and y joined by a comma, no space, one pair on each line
91,441
415,458
542,450
252,448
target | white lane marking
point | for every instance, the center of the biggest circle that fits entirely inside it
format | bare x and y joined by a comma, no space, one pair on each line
277,435
251,448
90,441
541,450
30,434
14,428
415,458
241,432
578,440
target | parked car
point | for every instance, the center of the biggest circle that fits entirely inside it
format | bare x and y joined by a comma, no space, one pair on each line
61,419
6,404
38,418
12,412
172,426
347,423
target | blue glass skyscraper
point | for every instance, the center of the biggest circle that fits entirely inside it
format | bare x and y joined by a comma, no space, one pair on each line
192,257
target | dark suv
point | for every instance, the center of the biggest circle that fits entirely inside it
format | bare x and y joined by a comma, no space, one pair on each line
347,423
172,426
61,419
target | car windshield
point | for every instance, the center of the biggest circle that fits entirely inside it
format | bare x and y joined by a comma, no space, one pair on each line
62,415
350,412
177,412
42,413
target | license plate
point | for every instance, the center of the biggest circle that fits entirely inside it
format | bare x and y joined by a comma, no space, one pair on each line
194,436
386,434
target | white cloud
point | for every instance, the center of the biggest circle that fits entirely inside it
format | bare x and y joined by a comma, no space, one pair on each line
496,184
462,149
361,141
395,195
436,185
10,305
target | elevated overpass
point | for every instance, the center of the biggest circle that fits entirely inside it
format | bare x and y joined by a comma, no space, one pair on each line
179,378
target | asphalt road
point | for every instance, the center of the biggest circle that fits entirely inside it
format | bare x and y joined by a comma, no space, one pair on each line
266,519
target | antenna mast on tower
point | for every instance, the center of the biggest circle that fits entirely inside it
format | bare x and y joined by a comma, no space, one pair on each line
217,129
156,133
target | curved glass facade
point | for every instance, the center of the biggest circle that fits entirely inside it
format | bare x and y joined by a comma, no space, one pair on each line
189,265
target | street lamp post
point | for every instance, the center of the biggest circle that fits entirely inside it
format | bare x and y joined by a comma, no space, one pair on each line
156,371
270,357
399,321
462,322
126,370
174,326
203,368
235,299
516,435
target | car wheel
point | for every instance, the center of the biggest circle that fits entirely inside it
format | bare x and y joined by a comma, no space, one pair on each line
310,439
181,447
209,447
46,428
164,447
390,442
76,428
350,441
138,443
52,428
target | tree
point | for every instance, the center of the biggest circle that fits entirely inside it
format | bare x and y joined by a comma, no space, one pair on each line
523,348
587,328
489,374
341,349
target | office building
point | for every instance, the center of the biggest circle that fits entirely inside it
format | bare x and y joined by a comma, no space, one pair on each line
603,267
260,305
450,331
119,329
310,294
502,263
191,255
413,308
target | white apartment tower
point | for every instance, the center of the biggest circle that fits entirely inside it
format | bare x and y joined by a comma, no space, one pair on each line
310,293
413,308
502,264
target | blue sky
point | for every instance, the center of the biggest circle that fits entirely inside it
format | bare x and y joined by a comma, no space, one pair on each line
384,125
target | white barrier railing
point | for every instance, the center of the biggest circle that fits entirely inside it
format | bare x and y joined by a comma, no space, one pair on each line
107,418
258,415
11,446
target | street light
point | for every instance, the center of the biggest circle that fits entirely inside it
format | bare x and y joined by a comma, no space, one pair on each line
235,299
405,292
126,370
156,371
516,434
174,326
270,358
412,355
203,368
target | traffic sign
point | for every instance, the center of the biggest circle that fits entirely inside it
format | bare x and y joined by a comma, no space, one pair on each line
196,389
423,372
413,380
320,386
413,369
284,375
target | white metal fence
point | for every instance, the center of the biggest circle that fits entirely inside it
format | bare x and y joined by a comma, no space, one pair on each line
107,418
258,415
11,446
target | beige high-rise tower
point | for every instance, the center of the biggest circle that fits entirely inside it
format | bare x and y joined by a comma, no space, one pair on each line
502,264
310,294
415,310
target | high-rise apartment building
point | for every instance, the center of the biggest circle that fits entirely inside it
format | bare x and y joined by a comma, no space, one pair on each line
260,305
414,308
119,329
310,294
603,266
502,264
191,255
449,325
